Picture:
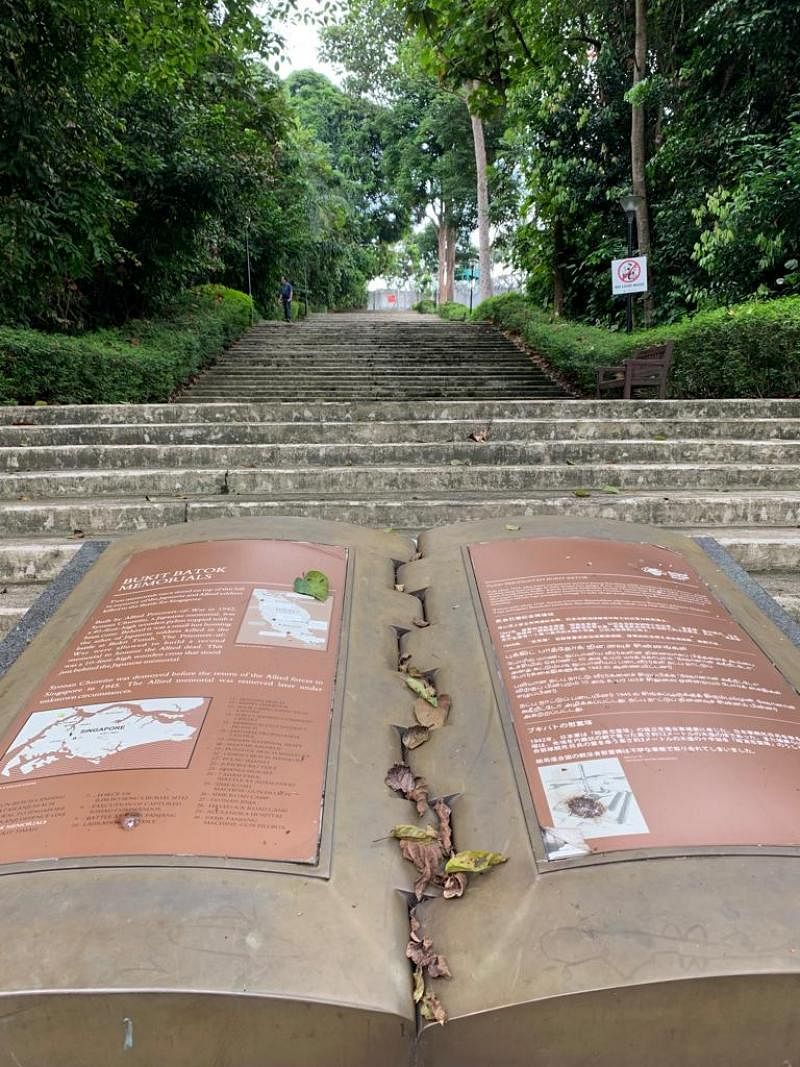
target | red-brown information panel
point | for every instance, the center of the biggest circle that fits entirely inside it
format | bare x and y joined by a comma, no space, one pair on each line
189,717
646,716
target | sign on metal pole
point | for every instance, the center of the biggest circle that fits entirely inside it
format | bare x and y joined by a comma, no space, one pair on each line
629,275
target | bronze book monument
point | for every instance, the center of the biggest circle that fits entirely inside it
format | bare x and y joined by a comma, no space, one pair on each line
293,793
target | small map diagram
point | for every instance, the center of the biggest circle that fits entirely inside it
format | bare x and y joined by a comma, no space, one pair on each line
285,619
119,735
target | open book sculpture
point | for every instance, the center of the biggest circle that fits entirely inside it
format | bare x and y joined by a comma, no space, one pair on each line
292,793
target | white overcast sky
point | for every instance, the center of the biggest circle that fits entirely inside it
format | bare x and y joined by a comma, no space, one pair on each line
302,44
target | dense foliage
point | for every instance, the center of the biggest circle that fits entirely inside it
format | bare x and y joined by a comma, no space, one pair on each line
750,349
717,101
144,147
144,361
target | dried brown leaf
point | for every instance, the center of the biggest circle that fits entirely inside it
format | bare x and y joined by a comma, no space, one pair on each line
427,857
454,885
403,662
419,796
415,736
400,588
443,813
482,433
416,928
438,968
419,986
421,623
401,779
433,718
431,1009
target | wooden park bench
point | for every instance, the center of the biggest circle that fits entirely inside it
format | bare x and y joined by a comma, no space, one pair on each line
647,368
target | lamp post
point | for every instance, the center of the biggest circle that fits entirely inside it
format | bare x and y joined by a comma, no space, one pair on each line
629,203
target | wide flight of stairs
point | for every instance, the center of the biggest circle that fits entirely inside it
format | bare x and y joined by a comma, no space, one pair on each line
373,357
729,469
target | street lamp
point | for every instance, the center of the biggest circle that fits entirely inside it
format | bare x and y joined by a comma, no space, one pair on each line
629,202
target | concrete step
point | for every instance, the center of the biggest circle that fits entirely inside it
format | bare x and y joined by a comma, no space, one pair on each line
460,476
378,431
34,560
14,602
684,509
404,453
660,412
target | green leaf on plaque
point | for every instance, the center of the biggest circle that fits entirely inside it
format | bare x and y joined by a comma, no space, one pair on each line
473,862
314,584
415,833
582,492
422,689
610,489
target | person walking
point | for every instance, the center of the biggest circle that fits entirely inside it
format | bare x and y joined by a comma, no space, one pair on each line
286,298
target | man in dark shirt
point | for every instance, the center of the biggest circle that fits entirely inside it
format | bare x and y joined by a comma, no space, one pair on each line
286,298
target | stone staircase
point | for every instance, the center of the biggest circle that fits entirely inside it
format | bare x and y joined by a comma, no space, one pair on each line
728,469
373,357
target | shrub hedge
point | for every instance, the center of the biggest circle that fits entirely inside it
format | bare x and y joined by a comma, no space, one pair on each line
746,350
454,312
141,362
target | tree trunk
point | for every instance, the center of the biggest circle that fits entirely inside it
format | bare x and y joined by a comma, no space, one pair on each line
558,270
638,146
441,235
484,240
451,264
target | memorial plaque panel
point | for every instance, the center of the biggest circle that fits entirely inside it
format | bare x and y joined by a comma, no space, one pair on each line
190,716
646,716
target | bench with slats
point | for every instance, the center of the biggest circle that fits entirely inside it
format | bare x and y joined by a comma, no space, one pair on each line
648,368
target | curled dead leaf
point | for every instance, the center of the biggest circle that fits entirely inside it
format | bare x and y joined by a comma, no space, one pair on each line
432,717
421,623
431,1009
482,433
473,861
427,858
422,689
415,736
454,885
511,526
401,779
403,662
419,986
445,833
400,587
